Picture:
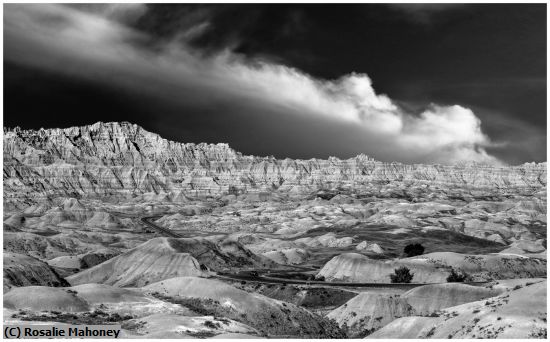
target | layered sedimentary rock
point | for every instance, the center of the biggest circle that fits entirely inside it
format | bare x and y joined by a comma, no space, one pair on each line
123,160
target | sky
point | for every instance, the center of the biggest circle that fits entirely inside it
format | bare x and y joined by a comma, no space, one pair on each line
412,83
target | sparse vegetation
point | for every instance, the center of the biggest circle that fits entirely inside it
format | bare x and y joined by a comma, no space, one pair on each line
517,287
431,332
539,333
401,275
211,325
91,318
236,228
233,190
457,277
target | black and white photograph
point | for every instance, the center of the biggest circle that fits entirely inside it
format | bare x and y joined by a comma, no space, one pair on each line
275,170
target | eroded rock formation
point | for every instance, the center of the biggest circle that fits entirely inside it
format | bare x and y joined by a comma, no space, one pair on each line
123,160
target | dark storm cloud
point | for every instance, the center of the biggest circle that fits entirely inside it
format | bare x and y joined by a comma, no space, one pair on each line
188,84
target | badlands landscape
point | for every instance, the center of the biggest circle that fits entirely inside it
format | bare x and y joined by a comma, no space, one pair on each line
112,224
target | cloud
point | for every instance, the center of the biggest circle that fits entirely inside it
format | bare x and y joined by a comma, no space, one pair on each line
98,45
424,13
126,13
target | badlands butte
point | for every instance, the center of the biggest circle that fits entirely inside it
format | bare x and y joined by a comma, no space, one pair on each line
112,224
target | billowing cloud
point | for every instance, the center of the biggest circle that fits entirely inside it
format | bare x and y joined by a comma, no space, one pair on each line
96,44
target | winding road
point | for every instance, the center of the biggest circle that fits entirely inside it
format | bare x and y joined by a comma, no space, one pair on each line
259,277
147,221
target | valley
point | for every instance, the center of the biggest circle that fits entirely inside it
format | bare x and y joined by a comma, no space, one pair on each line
109,223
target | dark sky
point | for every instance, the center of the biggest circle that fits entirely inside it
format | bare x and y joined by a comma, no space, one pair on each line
279,79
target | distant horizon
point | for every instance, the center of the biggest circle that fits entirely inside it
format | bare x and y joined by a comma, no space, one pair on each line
260,156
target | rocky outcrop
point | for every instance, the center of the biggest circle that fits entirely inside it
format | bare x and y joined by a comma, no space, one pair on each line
122,160
369,247
290,256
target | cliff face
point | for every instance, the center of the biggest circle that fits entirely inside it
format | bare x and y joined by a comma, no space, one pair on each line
122,160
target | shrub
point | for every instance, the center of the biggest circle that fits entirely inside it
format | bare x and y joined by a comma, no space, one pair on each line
457,277
211,325
233,190
401,275
413,249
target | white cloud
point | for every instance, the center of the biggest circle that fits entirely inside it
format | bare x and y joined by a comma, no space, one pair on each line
96,46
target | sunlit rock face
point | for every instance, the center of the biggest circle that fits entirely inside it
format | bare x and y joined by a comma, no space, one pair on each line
81,206
122,160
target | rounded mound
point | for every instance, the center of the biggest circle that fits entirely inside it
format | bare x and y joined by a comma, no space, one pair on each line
290,256
354,267
43,298
101,293
154,260
430,298
65,261
368,311
205,288
262,313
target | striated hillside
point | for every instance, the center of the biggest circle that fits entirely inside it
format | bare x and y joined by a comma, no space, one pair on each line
123,160
75,200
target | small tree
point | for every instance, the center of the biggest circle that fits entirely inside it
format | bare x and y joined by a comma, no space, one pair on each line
233,190
413,249
457,277
401,275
